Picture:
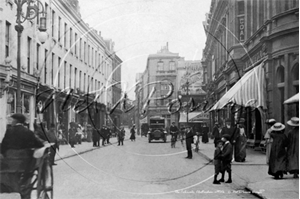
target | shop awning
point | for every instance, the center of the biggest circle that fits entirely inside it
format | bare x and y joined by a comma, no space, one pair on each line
293,99
250,90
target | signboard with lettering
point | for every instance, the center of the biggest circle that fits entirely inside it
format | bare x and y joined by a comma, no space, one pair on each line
241,28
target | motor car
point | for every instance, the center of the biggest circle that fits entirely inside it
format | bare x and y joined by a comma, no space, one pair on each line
157,129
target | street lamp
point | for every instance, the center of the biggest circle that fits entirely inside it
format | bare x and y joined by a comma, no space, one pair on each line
32,11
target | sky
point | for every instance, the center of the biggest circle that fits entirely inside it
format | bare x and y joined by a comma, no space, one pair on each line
141,27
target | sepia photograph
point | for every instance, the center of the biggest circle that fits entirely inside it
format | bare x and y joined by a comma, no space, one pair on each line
149,99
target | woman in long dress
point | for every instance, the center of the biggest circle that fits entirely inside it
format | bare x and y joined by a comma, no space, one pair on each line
293,147
278,156
240,142
268,139
132,132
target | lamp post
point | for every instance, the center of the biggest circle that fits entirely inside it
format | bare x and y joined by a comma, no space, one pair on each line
32,11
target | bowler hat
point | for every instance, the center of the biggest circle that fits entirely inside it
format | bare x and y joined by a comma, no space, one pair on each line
241,121
228,120
294,121
278,127
20,118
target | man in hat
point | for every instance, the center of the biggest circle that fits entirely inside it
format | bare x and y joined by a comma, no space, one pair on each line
174,131
293,147
189,139
18,136
226,158
228,130
217,133
72,133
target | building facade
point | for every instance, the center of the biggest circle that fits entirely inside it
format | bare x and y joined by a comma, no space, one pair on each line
241,35
72,66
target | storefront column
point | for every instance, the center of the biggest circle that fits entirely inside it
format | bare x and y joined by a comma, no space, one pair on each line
31,112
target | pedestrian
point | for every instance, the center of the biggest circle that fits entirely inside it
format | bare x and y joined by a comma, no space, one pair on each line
79,134
51,138
268,138
293,147
174,131
217,133
103,133
240,142
72,133
189,140
89,134
228,130
96,137
277,161
218,161
121,136
132,132
17,145
204,130
108,134
145,129
226,158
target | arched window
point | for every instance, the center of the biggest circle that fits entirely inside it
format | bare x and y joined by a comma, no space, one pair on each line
280,74
295,76
280,85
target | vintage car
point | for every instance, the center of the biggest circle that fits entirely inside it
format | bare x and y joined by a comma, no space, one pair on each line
157,129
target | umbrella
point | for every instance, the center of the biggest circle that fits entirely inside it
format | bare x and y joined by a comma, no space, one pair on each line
293,99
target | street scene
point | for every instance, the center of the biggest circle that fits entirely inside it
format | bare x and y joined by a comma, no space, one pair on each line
149,99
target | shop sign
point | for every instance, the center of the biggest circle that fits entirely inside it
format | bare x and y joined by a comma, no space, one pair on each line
241,28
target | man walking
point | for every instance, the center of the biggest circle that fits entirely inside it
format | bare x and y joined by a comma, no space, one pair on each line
174,131
188,141
121,136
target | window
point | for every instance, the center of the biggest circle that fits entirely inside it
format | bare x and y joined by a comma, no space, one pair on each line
52,69
92,61
71,32
7,34
59,26
26,103
88,83
53,23
28,53
11,108
45,68
75,78
171,65
80,80
84,79
88,55
65,35
84,56
65,74
160,66
58,74
80,46
70,80
241,7
37,56
76,43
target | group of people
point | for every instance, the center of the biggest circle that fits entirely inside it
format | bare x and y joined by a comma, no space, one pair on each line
237,137
104,133
282,148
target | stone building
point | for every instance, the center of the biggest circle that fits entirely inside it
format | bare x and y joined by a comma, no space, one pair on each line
73,66
246,35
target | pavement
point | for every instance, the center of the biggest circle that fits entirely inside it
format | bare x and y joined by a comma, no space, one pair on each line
258,183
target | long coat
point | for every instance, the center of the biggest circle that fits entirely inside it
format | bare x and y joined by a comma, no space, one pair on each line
228,131
277,162
240,145
132,132
19,137
293,151
205,134
189,139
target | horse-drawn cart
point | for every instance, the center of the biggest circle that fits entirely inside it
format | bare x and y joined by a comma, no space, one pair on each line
27,172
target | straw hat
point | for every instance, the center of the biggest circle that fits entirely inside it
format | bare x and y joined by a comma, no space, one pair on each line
271,121
278,127
294,121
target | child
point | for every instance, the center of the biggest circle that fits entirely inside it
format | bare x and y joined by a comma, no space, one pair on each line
218,161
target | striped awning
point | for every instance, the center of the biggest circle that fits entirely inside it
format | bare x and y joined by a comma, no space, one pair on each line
294,99
250,90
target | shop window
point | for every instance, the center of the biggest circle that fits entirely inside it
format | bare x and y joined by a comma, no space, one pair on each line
11,102
295,73
26,103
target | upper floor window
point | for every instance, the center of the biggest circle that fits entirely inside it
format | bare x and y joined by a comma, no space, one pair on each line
7,34
171,65
241,7
160,66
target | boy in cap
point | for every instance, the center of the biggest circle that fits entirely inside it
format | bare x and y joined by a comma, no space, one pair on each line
226,157
218,161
